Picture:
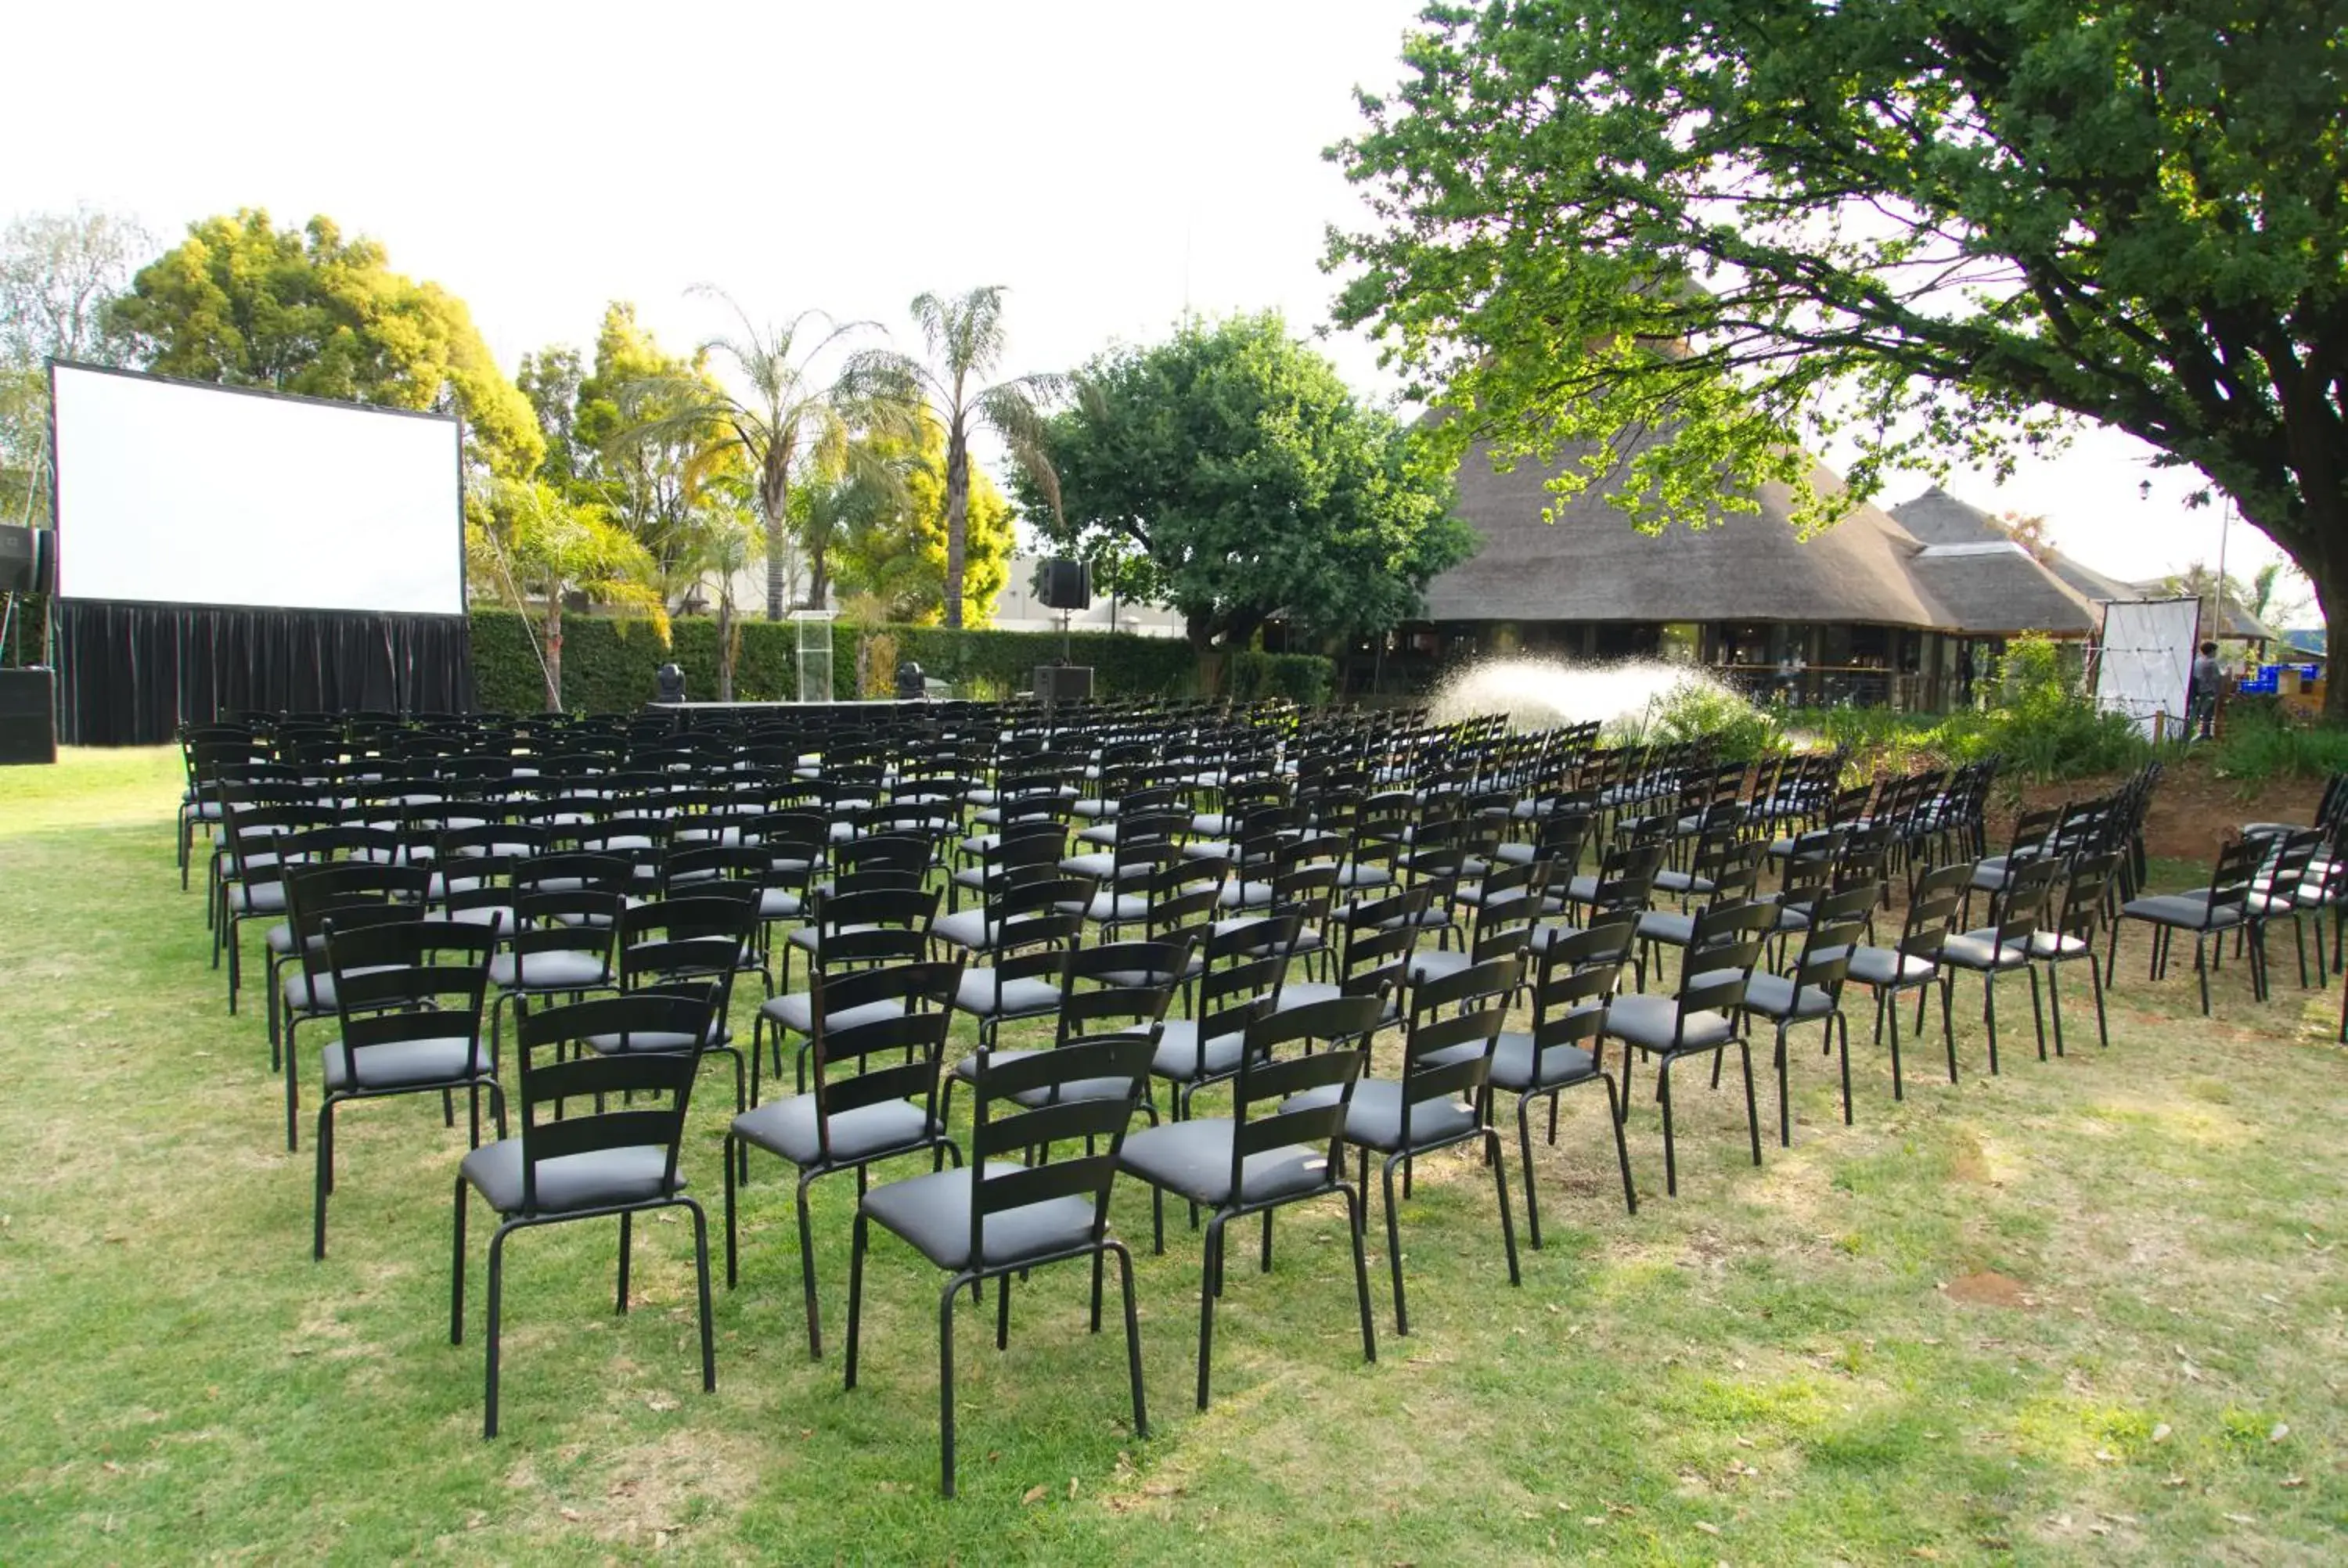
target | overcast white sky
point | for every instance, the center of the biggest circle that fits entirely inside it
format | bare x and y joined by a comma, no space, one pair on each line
1109,162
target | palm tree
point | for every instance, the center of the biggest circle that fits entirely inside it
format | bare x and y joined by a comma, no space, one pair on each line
719,540
965,339
785,413
852,486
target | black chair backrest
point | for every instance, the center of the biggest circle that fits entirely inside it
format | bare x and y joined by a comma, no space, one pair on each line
1109,1071
875,925
1467,1008
397,982
894,1057
1332,1033
1724,945
637,1099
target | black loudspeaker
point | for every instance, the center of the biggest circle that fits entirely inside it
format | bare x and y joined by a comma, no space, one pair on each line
28,718
45,561
1068,584
1064,683
17,559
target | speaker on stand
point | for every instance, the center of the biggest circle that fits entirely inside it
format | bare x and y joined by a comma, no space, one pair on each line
1066,586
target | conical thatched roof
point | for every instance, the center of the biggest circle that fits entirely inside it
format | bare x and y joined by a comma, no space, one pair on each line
1959,573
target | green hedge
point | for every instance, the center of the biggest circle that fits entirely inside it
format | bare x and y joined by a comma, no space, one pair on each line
608,665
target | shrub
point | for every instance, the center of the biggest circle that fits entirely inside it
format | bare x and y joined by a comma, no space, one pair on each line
2044,726
608,666
2258,746
1704,709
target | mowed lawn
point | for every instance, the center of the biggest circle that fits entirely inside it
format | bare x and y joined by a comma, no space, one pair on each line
2094,1308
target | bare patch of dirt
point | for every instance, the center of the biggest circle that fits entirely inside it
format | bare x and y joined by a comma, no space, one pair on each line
1988,1288
2191,810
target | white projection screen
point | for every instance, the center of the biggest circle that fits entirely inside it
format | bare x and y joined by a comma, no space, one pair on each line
172,492
2145,662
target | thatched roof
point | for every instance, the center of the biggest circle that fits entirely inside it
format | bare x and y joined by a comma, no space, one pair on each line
1592,565
1990,584
1958,574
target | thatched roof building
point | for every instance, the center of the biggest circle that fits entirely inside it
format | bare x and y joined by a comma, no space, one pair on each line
1906,607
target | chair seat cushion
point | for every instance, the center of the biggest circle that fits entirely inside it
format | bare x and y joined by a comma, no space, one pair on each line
1513,1066
1888,966
932,1213
1193,1160
795,1011
2189,911
260,899
1980,950
1647,1021
1180,1058
1026,996
1122,908
963,928
654,1042
555,969
402,1064
1304,993
1668,926
1373,1119
1773,997
1441,964
1351,876
787,1127
602,1179
779,903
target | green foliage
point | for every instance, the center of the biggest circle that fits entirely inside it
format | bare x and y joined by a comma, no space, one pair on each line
892,537
966,339
2258,746
306,310
2044,726
637,463
1304,679
608,665
1689,239
1229,473
1697,710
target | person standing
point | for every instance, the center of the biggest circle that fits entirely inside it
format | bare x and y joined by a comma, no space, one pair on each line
2202,694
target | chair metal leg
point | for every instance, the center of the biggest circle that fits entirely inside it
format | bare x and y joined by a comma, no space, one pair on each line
854,1293
701,1274
1394,1249
807,1270
1525,1151
496,1288
1751,1113
1209,1277
2096,984
1500,1191
945,1385
324,1183
457,1270
1355,1220
1785,1094
1132,1335
627,1248
1841,1026
1671,1160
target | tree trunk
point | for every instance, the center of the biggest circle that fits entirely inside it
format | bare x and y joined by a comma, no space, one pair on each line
726,644
818,576
957,521
2330,576
553,640
775,564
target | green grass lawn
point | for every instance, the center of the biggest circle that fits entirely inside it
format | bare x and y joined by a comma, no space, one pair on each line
2090,1308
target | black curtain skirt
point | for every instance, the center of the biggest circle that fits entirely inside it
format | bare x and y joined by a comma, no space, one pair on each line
131,674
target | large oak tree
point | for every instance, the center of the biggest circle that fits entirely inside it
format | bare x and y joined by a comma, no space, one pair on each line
1937,230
